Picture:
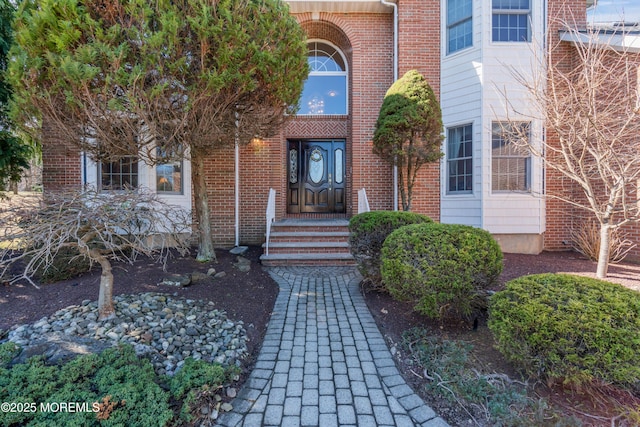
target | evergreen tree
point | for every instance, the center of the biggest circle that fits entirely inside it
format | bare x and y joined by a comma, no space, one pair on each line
124,77
14,154
408,131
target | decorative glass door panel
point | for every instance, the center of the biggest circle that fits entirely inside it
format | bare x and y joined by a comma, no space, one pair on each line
316,176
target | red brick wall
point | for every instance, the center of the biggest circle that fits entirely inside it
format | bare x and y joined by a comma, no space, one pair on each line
559,217
61,164
419,45
367,42
562,218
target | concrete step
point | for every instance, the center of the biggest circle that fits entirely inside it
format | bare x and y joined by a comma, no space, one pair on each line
310,226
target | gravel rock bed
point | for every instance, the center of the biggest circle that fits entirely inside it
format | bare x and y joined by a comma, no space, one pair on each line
159,326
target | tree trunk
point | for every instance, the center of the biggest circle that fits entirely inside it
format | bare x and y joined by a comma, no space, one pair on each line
604,251
106,309
405,194
201,200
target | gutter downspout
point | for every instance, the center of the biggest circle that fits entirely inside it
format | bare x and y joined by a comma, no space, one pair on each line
237,180
395,77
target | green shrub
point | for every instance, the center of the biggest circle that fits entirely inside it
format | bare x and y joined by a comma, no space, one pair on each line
67,264
124,384
441,268
569,329
8,351
195,374
198,378
368,231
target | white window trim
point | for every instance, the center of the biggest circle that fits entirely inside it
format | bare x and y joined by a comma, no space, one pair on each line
449,159
528,12
146,179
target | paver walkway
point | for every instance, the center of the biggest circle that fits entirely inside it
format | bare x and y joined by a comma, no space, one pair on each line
324,362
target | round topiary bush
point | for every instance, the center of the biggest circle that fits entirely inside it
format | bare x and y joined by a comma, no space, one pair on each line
441,268
368,231
569,329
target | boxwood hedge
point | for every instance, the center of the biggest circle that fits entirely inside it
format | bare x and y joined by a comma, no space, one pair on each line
368,231
569,329
441,268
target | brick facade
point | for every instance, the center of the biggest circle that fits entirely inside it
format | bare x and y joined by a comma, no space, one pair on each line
561,217
366,40
61,162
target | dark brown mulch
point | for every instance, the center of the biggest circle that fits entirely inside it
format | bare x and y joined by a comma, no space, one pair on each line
250,297
393,318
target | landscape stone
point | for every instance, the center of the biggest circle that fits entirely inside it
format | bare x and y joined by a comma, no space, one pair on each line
239,250
58,349
150,322
199,277
181,280
243,264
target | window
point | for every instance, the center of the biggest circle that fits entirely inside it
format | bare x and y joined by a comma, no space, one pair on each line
325,91
121,174
510,163
168,174
511,21
459,159
169,177
459,25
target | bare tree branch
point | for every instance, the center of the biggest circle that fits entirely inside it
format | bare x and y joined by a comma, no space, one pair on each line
102,227
589,105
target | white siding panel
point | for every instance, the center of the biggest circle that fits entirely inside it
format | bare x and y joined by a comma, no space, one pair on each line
461,103
504,98
479,86
465,212
520,214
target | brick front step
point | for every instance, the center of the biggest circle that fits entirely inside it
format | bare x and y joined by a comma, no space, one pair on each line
308,247
308,242
273,260
302,236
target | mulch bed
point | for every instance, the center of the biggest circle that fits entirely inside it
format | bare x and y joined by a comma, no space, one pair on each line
250,297
393,318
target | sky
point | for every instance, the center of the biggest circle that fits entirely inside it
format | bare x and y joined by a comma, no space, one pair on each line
607,11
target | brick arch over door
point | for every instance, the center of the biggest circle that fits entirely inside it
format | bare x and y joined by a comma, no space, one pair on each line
337,30
332,28
328,126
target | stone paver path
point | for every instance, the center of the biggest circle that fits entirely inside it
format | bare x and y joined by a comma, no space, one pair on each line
324,362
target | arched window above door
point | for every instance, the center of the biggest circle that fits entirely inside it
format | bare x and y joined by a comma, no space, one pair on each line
325,90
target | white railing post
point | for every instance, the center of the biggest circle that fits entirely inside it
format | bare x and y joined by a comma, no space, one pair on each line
271,216
363,202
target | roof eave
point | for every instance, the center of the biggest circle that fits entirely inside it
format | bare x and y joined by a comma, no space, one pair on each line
618,40
338,6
